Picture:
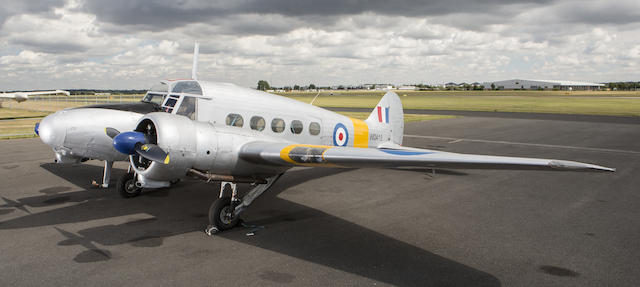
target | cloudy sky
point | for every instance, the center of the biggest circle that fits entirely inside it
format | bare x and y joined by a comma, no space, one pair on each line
132,44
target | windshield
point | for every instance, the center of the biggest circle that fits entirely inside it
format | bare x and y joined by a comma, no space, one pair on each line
153,98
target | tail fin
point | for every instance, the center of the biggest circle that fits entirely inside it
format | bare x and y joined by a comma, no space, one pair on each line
388,116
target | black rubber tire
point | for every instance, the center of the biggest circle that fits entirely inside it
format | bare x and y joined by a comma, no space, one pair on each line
127,186
215,214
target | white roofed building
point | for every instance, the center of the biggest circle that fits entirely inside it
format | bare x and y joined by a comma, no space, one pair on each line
524,84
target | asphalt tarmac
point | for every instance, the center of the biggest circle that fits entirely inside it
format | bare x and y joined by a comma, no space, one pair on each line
337,227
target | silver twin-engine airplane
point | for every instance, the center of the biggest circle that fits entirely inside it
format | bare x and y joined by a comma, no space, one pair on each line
223,132
23,96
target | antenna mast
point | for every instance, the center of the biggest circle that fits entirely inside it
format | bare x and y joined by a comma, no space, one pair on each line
196,51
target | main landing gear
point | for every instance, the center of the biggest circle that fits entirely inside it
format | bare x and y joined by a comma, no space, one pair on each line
127,185
224,212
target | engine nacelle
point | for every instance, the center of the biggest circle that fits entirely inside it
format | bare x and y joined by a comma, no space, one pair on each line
190,144
196,145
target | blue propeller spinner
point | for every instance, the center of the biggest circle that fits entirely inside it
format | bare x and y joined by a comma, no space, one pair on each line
136,143
126,142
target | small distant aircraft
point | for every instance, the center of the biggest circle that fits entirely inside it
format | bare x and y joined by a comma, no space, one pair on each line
23,96
226,133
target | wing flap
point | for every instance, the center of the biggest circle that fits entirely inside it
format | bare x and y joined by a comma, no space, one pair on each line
316,155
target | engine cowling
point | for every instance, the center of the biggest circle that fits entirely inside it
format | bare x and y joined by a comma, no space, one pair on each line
190,144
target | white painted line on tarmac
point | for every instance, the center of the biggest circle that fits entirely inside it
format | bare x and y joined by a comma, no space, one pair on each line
456,140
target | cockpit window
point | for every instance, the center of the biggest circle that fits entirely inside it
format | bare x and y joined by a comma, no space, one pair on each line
169,104
188,87
187,107
153,98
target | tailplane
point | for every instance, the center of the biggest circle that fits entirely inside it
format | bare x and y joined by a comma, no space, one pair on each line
388,116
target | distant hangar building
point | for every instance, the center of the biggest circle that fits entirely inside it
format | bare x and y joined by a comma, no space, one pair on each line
523,84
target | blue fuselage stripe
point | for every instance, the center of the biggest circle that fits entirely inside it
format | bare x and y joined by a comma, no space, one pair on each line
403,152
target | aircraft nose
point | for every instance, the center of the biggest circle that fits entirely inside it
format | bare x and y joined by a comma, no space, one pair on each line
47,128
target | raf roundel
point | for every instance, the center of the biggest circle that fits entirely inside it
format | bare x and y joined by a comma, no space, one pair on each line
340,135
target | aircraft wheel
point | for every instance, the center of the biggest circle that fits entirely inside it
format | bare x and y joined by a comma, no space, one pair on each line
221,216
127,186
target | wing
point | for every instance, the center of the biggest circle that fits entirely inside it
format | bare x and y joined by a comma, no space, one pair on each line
316,155
46,93
23,96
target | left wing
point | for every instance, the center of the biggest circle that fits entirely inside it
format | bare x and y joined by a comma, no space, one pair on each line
330,156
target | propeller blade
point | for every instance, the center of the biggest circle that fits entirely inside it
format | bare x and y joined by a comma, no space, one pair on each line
152,152
111,132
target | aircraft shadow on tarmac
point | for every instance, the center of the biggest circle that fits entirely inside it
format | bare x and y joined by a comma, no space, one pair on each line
292,229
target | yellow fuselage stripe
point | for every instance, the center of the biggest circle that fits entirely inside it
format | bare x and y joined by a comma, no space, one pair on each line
284,155
360,133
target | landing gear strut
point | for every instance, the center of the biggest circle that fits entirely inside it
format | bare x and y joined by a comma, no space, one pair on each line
224,212
106,175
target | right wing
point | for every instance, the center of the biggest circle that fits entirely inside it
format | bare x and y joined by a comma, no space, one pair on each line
331,156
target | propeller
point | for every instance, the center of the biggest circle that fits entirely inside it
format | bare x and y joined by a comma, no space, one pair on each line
136,142
111,132
152,152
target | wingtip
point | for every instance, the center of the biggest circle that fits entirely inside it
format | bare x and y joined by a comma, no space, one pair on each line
572,165
601,168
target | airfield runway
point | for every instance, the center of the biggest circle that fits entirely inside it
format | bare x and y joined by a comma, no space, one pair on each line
327,227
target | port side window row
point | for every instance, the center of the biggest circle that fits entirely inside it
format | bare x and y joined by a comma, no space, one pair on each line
277,125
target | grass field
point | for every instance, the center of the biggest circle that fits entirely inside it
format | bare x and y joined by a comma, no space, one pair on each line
6,113
588,103
23,127
474,93
407,117
56,103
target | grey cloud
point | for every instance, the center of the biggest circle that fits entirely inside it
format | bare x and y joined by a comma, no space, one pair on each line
10,8
166,14
50,47
399,7
612,13
151,15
